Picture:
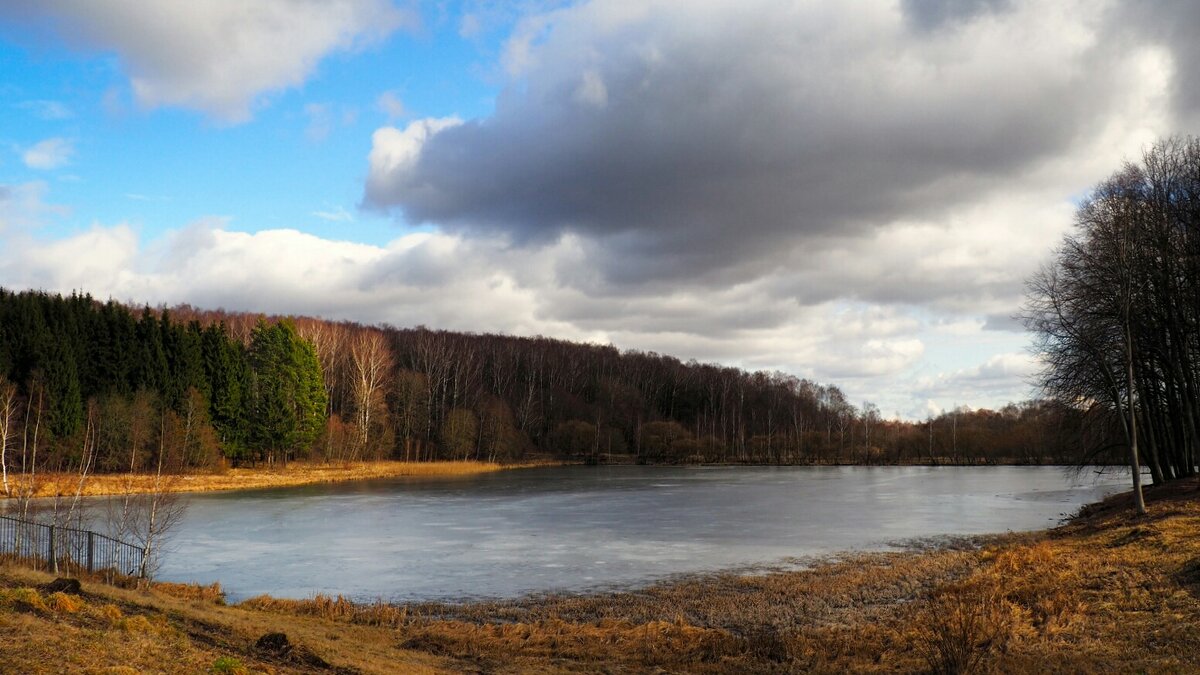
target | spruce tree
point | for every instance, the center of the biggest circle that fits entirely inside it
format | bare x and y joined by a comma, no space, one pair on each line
286,390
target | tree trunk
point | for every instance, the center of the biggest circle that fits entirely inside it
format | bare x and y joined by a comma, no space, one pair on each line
1134,463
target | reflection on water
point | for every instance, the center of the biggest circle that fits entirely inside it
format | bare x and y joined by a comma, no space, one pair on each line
573,528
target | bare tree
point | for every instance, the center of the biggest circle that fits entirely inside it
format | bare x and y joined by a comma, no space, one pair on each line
1116,314
27,487
158,509
87,462
9,405
371,367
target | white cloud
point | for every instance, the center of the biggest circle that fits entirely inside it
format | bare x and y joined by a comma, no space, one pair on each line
394,153
320,121
390,104
1002,377
336,215
839,190
139,197
713,141
487,285
23,207
51,153
323,118
469,26
853,194
47,110
216,56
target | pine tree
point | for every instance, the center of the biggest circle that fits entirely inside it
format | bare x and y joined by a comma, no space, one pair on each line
150,370
224,363
62,389
286,391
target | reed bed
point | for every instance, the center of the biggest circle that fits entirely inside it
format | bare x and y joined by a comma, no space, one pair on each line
294,474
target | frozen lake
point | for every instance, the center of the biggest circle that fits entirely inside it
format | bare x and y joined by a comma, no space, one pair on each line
576,528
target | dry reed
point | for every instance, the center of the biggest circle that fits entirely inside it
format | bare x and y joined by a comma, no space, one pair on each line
294,474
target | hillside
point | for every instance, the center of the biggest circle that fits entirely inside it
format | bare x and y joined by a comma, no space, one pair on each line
107,385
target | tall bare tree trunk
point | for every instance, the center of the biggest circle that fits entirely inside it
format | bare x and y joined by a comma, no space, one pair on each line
86,462
163,508
29,486
1134,463
8,408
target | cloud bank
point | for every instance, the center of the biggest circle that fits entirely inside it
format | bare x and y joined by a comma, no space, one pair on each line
702,142
915,159
839,190
211,55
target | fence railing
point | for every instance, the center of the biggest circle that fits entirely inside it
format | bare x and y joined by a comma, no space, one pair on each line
66,550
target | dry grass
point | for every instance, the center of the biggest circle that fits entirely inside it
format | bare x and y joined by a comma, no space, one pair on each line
296,473
211,593
114,630
1106,593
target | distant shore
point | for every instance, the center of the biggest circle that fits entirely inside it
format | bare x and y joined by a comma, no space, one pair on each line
292,475
298,473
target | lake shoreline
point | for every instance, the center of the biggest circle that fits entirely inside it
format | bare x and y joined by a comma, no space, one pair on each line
294,474
1104,592
301,473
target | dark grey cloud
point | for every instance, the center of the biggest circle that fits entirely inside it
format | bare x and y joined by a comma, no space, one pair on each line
703,143
933,14
1004,322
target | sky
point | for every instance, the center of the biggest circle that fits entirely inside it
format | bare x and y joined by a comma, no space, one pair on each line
849,192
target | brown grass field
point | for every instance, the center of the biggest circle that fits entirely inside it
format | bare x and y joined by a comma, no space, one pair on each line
295,473
1105,593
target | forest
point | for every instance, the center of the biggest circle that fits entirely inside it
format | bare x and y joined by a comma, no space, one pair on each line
106,387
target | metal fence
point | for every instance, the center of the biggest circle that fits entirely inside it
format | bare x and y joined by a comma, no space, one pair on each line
66,550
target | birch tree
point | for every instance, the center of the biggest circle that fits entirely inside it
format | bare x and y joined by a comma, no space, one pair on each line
8,416
371,367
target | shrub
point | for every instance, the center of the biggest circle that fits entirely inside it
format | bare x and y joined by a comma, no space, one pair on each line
112,613
136,624
24,599
198,592
61,602
960,625
228,665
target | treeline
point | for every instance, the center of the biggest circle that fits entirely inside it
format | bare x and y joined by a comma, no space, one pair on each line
419,394
95,387
1117,312
104,384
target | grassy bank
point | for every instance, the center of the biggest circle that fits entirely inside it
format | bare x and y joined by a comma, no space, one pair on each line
1104,593
295,473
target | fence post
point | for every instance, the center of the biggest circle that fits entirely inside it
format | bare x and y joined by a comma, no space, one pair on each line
91,550
53,557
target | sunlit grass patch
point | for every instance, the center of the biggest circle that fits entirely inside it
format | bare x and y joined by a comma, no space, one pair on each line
23,600
294,474
211,593
61,602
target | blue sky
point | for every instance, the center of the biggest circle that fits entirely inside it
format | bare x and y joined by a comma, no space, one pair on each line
163,167
850,194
